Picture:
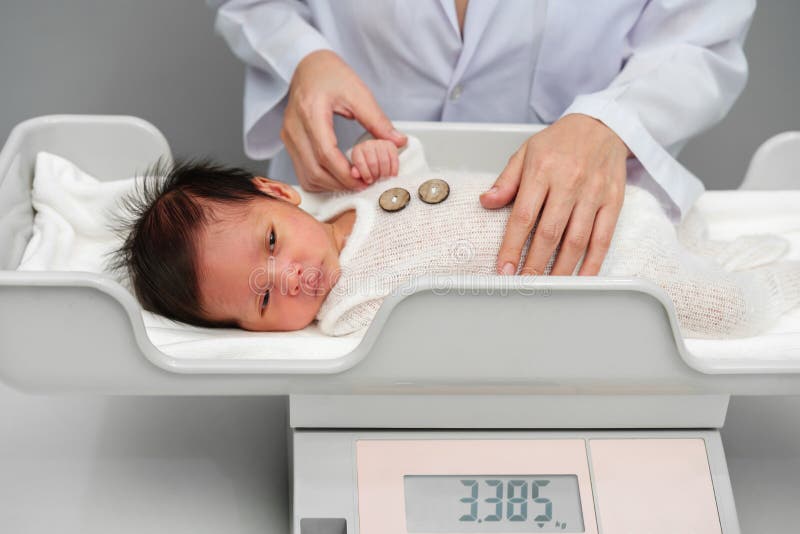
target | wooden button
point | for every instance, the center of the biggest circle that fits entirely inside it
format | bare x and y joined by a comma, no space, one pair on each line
434,191
394,199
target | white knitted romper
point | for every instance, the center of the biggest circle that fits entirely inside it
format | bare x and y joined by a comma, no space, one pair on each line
458,236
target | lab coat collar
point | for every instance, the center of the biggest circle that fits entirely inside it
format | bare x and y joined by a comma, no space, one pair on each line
479,13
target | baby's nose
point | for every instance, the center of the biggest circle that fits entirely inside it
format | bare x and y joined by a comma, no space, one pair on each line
293,278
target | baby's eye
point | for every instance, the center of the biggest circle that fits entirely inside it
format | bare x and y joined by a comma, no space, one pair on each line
265,301
271,240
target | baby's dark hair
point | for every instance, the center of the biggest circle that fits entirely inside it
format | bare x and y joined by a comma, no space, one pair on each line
171,204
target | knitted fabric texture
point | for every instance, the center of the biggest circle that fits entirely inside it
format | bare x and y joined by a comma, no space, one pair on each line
458,236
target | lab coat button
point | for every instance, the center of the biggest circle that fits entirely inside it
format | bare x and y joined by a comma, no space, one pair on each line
433,191
394,199
456,92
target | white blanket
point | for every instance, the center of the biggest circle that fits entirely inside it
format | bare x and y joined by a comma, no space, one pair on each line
71,232
734,213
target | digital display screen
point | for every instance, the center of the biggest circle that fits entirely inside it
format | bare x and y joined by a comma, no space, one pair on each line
487,503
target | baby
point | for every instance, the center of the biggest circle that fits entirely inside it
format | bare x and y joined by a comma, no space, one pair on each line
216,246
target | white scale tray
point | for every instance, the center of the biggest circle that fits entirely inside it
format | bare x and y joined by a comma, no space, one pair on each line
71,331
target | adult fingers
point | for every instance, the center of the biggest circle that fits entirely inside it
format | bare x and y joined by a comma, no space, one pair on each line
507,184
306,182
318,126
557,210
310,174
576,238
603,231
529,201
364,109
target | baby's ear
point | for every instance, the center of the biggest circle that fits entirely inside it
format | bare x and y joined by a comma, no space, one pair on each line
276,189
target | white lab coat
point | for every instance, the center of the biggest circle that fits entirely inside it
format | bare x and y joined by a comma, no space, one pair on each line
657,72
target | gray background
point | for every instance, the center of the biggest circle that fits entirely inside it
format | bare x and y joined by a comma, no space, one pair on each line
82,465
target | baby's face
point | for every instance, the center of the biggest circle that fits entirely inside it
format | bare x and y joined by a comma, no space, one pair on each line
267,265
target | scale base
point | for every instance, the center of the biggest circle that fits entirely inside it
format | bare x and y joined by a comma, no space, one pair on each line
326,498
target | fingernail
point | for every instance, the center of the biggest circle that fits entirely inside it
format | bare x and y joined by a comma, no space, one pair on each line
491,191
508,268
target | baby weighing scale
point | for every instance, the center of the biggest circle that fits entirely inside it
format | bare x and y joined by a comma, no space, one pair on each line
564,404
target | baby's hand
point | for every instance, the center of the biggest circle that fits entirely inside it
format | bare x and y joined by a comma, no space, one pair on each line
374,159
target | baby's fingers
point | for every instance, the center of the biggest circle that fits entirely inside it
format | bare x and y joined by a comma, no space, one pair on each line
371,155
385,159
360,164
395,160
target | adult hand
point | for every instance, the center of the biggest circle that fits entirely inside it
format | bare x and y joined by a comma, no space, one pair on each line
322,85
573,174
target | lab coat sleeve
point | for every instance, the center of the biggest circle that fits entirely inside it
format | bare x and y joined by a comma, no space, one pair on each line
684,69
270,37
